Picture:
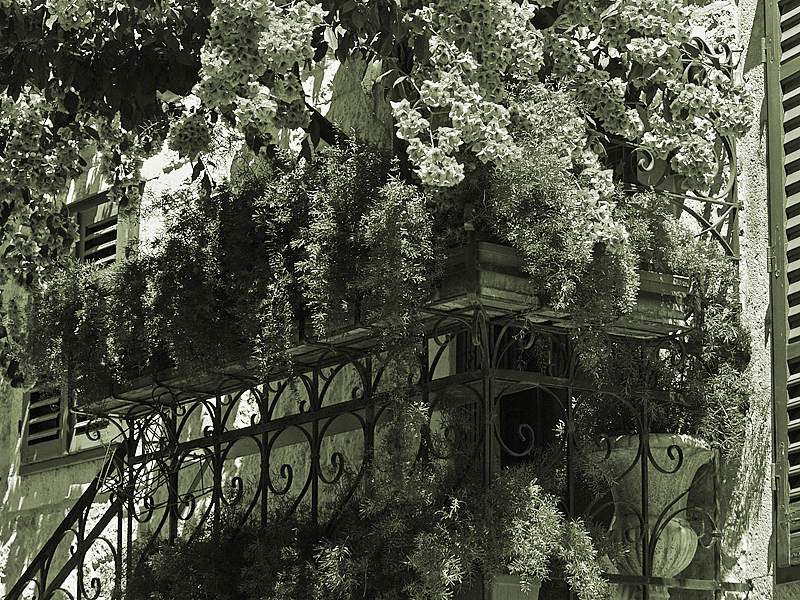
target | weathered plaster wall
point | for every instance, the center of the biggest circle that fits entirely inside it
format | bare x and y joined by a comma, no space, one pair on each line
747,495
31,506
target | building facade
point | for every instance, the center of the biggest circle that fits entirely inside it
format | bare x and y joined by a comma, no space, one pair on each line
80,482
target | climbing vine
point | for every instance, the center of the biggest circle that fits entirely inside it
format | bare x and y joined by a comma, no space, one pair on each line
122,76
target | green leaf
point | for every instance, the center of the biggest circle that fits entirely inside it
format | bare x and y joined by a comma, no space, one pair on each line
39,68
305,149
563,23
123,17
347,7
199,167
346,44
422,49
314,132
357,19
72,102
171,41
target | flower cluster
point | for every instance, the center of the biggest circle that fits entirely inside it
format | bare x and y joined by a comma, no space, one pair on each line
641,76
600,224
733,110
37,239
291,110
121,160
37,156
690,101
247,58
692,158
73,15
435,166
189,136
480,125
474,50
497,33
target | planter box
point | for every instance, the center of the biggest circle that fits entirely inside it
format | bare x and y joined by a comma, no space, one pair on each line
493,276
659,306
509,587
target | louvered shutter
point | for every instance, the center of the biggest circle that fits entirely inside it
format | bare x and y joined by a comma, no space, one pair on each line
782,56
88,433
45,427
104,234
97,229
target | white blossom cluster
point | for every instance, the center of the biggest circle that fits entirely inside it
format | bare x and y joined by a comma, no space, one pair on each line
248,57
189,136
474,47
76,14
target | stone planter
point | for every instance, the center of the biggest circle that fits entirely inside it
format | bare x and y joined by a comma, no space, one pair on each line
494,276
672,463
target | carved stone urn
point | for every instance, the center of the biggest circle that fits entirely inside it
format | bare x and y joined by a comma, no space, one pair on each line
672,462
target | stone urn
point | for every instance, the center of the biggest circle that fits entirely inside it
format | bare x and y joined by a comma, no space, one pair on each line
672,462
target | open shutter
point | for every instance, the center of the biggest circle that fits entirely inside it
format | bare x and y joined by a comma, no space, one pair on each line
104,234
88,433
51,430
97,230
45,427
782,56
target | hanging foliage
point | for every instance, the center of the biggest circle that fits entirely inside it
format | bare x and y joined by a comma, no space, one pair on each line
124,76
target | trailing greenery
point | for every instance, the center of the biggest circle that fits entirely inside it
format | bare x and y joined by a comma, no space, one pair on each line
416,523
410,541
515,527
337,241
342,240
705,372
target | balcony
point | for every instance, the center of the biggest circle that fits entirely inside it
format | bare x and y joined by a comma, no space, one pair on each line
480,278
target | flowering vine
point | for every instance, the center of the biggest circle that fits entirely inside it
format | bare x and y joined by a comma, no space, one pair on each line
248,60
108,74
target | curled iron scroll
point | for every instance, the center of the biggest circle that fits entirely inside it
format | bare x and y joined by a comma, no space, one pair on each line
674,453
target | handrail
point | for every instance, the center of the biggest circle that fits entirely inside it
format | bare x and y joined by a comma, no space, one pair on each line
39,568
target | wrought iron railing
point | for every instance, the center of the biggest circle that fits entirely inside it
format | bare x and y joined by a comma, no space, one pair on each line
45,578
308,437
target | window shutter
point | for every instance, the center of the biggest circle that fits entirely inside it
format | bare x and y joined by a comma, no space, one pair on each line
104,233
45,428
782,57
88,433
97,229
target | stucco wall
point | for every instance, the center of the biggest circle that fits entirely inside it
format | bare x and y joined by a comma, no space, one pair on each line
746,491
31,506
747,487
